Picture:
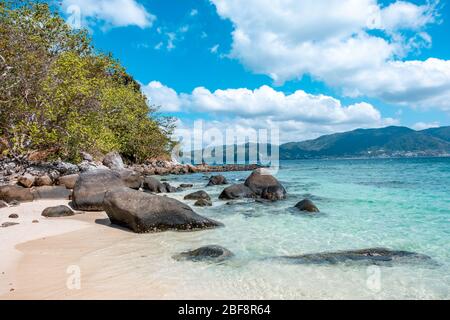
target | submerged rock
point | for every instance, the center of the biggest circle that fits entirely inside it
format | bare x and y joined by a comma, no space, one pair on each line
198,196
15,193
217,181
265,185
307,206
203,203
13,216
237,191
90,189
142,212
57,212
207,253
377,256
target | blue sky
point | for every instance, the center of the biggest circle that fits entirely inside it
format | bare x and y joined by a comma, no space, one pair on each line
308,67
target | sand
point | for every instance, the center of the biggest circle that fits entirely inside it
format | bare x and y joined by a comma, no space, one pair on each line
61,258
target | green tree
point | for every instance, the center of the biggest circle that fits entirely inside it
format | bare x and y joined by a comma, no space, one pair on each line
58,93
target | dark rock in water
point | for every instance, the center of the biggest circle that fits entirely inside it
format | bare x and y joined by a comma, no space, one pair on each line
198,195
68,181
15,193
186,185
58,192
307,205
377,256
114,161
143,212
35,221
209,254
237,191
9,224
42,181
217,181
169,188
3,204
27,180
90,189
56,212
273,193
131,179
203,203
14,203
14,216
154,185
265,185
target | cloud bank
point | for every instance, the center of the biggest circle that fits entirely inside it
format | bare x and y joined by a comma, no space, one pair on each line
298,115
358,46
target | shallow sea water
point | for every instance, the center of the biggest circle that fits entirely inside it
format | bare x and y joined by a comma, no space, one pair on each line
401,204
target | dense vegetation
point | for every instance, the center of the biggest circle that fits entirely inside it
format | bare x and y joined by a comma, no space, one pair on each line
59,95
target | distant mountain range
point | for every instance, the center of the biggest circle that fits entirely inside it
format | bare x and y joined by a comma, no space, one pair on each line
384,142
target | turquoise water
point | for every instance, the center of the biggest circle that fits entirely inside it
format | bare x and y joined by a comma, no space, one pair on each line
401,204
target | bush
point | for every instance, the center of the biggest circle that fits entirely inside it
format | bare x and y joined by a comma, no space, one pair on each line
58,93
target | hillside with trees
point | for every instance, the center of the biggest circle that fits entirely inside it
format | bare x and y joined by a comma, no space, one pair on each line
59,96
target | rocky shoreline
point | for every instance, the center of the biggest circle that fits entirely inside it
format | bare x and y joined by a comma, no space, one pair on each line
47,173
134,199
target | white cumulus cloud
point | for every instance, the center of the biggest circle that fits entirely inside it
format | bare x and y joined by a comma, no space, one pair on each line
112,13
298,115
358,46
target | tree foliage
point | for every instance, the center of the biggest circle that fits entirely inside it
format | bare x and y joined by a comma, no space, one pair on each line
58,93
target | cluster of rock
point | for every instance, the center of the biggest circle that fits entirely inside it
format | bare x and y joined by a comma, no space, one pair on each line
47,173
260,184
131,199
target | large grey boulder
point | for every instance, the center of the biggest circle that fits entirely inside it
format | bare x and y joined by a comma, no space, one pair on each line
114,161
377,256
307,206
217,181
51,193
90,189
68,181
142,212
57,212
131,179
265,185
237,191
207,254
15,193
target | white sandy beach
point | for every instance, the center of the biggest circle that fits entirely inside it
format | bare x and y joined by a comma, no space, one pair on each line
37,258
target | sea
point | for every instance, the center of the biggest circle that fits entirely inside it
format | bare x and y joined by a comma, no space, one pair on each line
399,204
